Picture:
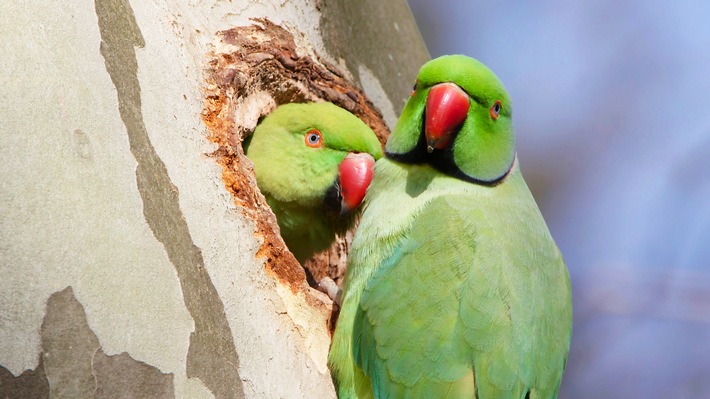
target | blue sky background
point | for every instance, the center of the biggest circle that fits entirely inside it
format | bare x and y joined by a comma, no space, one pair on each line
612,115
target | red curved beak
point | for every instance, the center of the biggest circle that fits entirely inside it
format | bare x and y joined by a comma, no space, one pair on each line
446,109
356,173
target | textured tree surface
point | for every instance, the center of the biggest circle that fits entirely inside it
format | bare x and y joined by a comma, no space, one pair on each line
138,257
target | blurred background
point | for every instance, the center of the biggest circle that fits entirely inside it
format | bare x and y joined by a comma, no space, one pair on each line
612,114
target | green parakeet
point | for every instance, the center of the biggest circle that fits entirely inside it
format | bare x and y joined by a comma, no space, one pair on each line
313,163
454,288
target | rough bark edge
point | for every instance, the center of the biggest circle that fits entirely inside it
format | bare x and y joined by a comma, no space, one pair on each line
251,70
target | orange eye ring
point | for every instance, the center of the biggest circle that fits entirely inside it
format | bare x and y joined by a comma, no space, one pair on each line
414,88
314,138
495,109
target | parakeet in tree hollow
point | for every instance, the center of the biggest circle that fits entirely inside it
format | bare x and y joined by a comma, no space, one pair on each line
313,163
454,287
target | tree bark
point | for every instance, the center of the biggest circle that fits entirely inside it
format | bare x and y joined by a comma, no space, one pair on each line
137,257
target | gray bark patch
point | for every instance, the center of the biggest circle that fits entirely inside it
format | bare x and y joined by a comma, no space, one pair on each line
121,376
68,345
29,384
212,356
72,364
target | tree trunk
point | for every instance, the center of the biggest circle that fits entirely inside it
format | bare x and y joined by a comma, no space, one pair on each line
137,257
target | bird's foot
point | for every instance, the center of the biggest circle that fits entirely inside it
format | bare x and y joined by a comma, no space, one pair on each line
330,288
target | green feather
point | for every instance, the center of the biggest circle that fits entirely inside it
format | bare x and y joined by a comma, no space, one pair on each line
453,289
294,177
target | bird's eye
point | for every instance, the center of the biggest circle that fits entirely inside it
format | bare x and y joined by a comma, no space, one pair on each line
495,109
314,138
414,88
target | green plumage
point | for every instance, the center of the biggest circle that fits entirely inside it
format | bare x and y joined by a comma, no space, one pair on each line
295,178
454,289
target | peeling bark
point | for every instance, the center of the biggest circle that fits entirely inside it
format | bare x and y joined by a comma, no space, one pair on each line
73,365
29,384
121,376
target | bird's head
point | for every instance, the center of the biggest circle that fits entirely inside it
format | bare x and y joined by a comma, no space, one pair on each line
314,155
458,119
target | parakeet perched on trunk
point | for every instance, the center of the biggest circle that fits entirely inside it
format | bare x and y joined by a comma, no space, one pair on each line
454,288
313,163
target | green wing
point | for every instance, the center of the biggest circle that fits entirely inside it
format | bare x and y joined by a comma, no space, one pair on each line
459,312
